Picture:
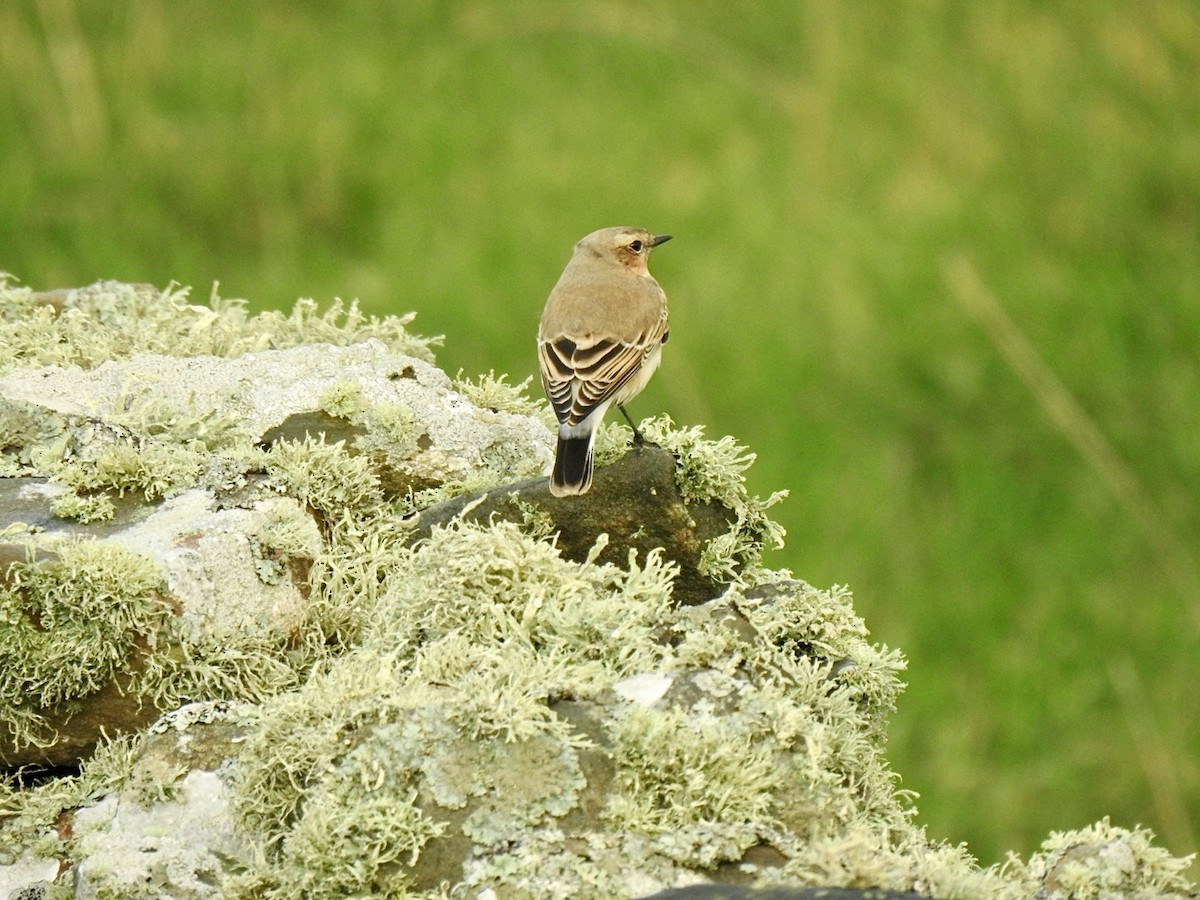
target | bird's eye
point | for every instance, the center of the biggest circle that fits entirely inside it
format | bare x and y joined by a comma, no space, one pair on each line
636,246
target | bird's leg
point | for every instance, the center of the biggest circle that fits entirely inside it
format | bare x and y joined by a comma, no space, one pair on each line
638,440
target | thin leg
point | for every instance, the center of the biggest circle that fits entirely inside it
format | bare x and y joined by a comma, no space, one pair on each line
638,440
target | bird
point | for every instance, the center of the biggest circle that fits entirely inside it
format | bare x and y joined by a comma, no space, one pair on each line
599,341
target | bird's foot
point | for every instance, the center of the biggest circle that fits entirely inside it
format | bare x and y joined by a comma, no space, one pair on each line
638,440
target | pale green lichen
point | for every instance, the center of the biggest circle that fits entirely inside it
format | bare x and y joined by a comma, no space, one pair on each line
456,669
84,508
348,578
547,862
399,427
495,584
325,476
247,667
865,854
334,807
26,429
492,391
147,446
535,521
451,693
513,786
613,441
714,471
1103,861
154,781
284,534
344,399
27,812
110,320
709,471
391,429
150,468
700,820
70,624
804,629
139,410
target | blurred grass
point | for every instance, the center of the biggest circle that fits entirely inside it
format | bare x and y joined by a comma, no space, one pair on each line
938,263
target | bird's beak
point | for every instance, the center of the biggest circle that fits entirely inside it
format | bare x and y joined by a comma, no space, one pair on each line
659,239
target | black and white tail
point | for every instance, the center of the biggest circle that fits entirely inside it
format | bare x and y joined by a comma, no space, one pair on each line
572,463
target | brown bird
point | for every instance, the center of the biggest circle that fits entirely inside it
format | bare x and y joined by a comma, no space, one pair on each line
599,342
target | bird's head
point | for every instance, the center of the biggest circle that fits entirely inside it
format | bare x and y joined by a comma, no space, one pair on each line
624,246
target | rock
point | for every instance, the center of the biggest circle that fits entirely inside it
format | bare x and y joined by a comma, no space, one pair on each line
1105,860
516,722
29,877
730,892
179,848
635,501
397,408
393,663
161,514
188,578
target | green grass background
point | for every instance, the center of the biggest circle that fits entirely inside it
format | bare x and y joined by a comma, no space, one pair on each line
938,263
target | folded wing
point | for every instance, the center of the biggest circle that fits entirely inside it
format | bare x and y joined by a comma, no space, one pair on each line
580,374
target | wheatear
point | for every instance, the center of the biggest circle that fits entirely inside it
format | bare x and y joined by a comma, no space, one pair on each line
599,342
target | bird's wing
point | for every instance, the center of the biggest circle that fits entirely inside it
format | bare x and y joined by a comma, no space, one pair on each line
581,374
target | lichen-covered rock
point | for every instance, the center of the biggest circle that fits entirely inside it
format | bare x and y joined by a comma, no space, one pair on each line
100,634
161,513
637,502
29,877
392,665
1103,861
178,847
523,723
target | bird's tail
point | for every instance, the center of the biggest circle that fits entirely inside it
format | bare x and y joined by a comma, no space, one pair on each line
572,464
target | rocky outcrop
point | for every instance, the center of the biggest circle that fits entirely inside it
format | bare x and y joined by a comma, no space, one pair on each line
304,613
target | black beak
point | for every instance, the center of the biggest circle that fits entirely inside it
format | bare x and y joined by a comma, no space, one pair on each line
659,239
